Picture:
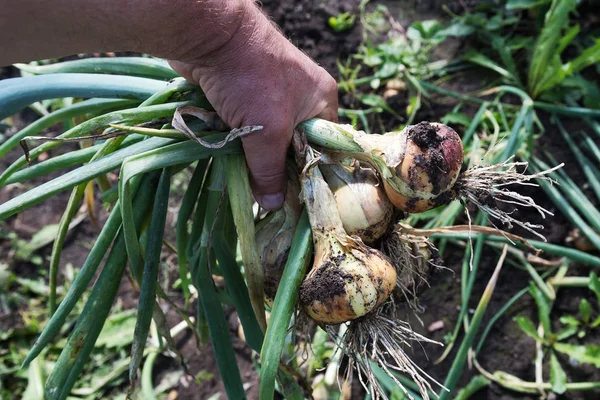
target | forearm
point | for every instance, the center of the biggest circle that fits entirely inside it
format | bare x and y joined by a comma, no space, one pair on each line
31,29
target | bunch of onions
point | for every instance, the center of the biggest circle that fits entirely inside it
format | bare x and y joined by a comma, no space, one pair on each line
421,167
352,191
351,283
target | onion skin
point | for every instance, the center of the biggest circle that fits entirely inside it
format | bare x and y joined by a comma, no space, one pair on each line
274,241
430,166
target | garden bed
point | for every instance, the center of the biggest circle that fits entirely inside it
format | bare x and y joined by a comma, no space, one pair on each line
507,348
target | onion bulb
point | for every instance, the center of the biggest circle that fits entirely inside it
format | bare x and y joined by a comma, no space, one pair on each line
274,235
422,163
362,204
348,279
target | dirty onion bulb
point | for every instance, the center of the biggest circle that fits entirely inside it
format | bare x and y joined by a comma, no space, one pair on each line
422,163
362,203
348,279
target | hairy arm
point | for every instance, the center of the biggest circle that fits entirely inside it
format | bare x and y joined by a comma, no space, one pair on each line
33,29
250,73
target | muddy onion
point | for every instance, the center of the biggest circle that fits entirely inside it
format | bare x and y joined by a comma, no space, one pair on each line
423,163
363,205
274,235
348,279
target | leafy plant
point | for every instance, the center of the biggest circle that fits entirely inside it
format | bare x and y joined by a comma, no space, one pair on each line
342,22
546,69
215,224
556,342
396,64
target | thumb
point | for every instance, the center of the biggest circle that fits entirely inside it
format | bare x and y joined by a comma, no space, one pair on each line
265,154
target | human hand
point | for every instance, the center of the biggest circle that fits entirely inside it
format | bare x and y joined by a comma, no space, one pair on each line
250,73
259,78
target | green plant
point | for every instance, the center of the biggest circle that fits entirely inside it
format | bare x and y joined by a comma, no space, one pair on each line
556,342
394,66
531,52
342,22
552,71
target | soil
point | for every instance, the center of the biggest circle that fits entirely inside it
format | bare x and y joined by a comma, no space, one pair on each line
506,349
327,283
425,135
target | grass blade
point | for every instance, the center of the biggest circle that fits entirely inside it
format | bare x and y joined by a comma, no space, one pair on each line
544,53
567,210
150,274
580,112
283,306
561,251
476,383
591,146
572,191
497,316
132,66
229,268
67,160
35,382
210,302
18,93
468,135
130,116
590,171
388,383
85,275
167,156
194,239
63,161
63,228
514,139
221,339
177,85
147,387
181,228
467,289
74,200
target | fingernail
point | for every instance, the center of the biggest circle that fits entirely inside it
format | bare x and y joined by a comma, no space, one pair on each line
271,202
